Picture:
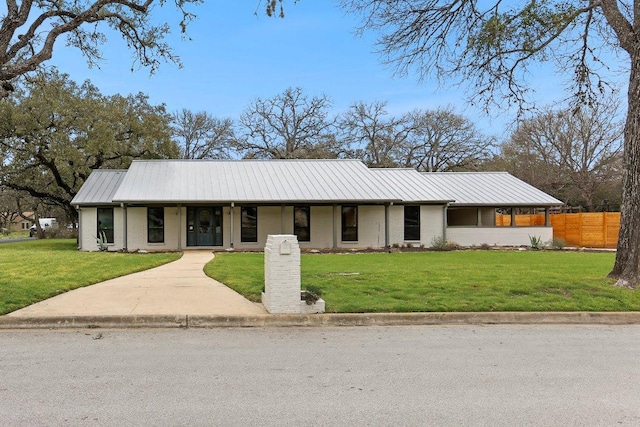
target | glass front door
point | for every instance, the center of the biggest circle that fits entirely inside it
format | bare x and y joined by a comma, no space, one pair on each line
204,226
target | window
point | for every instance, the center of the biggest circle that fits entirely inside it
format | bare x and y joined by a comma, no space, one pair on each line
248,224
105,223
301,223
25,225
412,223
155,225
349,223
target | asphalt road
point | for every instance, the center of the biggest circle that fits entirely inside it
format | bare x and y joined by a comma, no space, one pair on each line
411,376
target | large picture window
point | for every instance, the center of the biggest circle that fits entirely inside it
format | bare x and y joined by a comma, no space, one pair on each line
349,223
302,223
412,223
105,224
249,224
155,225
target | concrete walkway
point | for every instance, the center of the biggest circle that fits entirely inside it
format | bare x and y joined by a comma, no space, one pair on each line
177,288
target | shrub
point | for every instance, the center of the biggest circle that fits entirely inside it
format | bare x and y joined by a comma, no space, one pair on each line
536,242
439,243
558,243
311,294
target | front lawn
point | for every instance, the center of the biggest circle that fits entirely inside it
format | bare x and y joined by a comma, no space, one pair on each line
445,281
36,270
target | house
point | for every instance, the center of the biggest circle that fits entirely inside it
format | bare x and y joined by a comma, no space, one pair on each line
159,205
17,223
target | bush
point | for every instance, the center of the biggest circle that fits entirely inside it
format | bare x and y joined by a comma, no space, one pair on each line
558,243
61,233
439,243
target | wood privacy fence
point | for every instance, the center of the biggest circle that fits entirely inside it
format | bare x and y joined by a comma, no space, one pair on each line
590,229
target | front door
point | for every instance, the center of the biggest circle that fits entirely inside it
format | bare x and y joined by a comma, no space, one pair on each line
204,226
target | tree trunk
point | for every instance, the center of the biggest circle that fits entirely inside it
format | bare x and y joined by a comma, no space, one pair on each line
627,266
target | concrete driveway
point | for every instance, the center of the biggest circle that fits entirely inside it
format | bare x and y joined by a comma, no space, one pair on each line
177,288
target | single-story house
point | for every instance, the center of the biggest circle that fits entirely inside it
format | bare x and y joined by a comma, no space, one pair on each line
159,205
19,223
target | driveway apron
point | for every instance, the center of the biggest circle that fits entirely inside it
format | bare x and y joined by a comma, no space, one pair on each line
177,288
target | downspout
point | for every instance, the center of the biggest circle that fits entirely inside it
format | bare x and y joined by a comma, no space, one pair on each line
124,228
180,226
231,225
79,227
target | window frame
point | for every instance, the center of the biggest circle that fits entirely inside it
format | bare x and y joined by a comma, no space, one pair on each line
109,232
349,228
149,224
410,228
253,236
306,228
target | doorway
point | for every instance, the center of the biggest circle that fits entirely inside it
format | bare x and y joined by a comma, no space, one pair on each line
204,226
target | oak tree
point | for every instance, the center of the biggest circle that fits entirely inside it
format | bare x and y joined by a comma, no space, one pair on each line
492,46
201,135
290,125
54,132
30,30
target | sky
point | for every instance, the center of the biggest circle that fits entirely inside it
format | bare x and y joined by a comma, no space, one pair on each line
236,55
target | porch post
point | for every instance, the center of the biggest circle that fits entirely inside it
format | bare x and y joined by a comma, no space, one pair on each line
479,217
386,225
335,227
231,225
547,218
444,222
513,217
179,226
282,213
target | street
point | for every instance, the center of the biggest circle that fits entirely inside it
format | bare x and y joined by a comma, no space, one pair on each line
377,376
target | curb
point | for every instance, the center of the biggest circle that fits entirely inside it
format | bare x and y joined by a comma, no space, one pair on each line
322,320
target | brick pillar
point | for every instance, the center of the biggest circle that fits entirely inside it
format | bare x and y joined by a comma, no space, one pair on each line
282,274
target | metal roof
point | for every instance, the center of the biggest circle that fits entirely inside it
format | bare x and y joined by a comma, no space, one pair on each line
301,181
100,187
488,189
252,181
408,185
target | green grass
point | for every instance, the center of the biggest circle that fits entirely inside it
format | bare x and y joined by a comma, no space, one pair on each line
36,270
445,281
14,235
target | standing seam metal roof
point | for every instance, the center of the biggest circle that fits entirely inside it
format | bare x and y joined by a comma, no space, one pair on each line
266,181
488,189
301,181
100,187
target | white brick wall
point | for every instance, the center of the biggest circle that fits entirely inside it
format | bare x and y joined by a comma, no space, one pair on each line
282,275
498,236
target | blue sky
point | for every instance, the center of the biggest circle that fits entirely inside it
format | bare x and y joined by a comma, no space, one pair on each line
235,56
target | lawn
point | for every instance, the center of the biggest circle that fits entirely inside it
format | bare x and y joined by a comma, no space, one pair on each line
36,270
14,235
445,281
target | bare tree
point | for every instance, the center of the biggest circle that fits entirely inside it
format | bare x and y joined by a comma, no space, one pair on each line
288,126
202,136
491,45
574,155
443,141
30,30
372,134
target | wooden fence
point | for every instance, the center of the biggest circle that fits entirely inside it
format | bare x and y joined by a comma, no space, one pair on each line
589,229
